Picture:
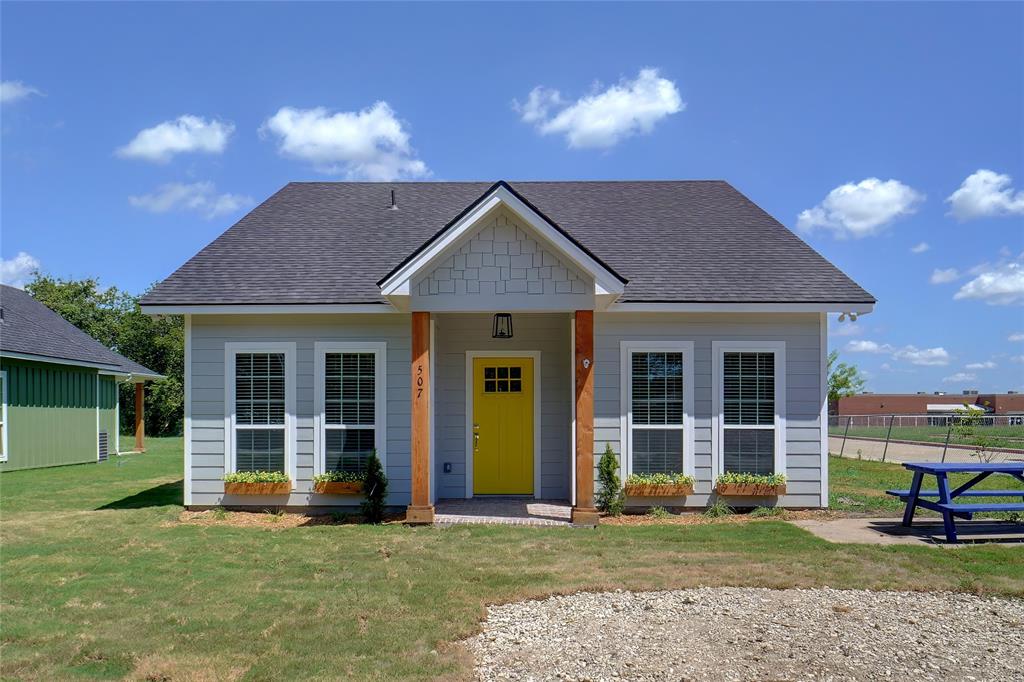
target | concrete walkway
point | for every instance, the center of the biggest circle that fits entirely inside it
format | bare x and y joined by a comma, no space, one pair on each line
506,511
875,531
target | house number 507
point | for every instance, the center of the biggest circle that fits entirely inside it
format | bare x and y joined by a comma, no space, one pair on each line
419,381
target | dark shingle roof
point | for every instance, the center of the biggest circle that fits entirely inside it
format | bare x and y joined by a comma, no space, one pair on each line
29,327
674,241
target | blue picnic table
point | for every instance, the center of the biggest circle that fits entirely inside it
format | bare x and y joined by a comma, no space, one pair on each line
946,505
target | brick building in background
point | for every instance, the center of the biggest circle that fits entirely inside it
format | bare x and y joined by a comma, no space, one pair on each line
938,403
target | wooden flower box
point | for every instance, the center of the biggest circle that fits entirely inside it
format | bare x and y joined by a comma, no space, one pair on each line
658,489
750,489
339,487
258,488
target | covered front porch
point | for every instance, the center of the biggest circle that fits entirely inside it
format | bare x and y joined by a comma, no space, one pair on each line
502,420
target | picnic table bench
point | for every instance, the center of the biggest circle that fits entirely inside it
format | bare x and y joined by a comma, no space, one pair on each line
914,497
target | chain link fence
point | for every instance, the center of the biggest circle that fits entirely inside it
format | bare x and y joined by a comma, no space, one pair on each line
928,437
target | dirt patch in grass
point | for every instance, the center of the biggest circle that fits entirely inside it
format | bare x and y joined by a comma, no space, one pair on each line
273,520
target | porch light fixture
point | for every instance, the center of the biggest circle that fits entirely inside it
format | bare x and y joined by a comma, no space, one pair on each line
502,326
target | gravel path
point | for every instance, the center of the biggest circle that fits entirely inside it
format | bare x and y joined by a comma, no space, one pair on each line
753,634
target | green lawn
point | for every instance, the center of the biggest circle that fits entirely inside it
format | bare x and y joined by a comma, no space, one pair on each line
100,580
860,485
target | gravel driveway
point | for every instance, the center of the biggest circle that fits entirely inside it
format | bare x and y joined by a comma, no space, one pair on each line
753,634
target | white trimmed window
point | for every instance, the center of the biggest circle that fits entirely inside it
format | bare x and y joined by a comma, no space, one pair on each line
657,398
260,407
351,395
751,402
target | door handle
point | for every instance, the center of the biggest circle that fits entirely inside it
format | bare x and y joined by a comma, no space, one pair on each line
476,436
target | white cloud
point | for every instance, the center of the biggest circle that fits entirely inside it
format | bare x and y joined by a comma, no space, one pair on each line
923,356
988,364
184,134
370,144
959,378
1016,336
861,210
944,276
1001,284
839,329
603,119
12,91
865,346
984,194
920,247
18,270
911,354
200,197
1019,359
539,102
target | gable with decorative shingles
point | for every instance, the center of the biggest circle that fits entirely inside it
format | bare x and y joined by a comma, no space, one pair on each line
504,259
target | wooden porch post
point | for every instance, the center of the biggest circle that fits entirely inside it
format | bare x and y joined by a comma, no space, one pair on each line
584,513
140,418
420,511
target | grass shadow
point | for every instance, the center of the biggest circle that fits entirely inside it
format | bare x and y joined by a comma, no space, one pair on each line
161,495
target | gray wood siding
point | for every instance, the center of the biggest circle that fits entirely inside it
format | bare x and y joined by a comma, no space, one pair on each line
801,332
210,333
547,333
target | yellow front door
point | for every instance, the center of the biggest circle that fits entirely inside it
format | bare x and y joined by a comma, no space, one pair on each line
503,426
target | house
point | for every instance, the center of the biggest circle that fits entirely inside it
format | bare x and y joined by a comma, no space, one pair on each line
491,339
59,389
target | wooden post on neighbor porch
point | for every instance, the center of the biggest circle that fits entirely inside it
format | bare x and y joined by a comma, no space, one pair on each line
420,511
140,418
584,513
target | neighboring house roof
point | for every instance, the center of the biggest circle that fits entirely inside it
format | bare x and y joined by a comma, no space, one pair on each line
672,241
30,329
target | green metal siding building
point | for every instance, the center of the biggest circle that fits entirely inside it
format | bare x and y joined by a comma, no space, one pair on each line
59,388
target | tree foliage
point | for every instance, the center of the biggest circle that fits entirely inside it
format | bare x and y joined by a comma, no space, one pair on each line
113,318
843,379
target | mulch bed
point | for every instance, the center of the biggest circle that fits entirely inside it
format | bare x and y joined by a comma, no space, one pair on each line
696,518
273,521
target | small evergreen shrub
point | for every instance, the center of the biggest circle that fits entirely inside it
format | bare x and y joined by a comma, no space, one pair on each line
256,477
375,488
718,509
610,498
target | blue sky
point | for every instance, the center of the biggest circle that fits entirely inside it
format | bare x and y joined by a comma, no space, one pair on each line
133,134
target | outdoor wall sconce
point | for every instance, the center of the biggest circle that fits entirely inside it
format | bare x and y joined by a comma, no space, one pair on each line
502,326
